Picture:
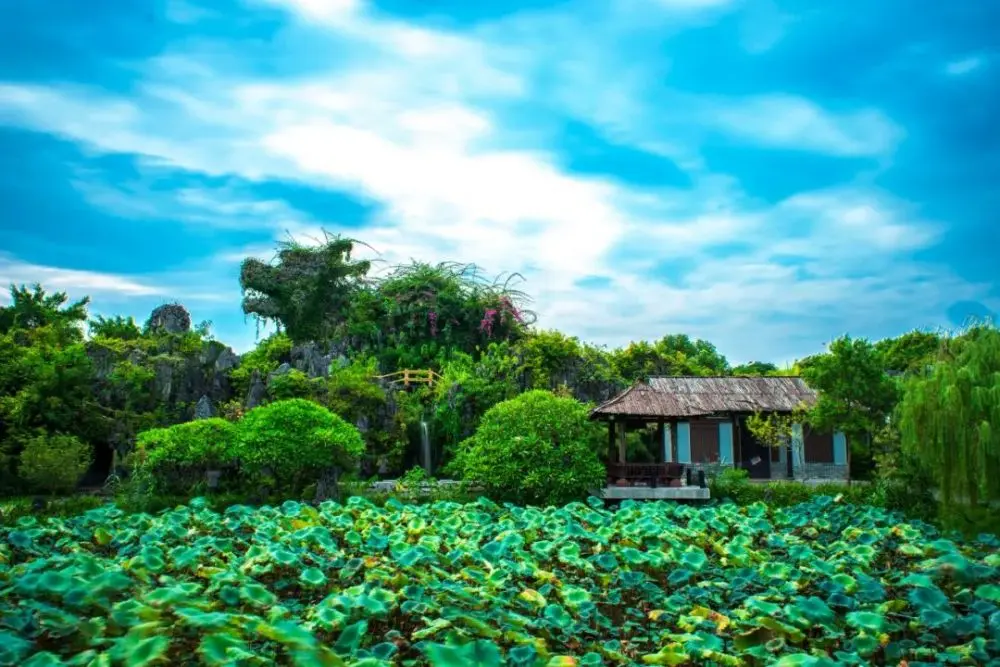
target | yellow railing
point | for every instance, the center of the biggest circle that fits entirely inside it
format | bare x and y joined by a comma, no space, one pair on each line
411,376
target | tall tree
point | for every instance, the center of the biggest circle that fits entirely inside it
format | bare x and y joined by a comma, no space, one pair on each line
755,368
913,352
855,394
950,418
307,291
674,354
32,308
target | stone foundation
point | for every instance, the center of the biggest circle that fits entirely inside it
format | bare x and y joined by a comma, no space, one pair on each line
822,471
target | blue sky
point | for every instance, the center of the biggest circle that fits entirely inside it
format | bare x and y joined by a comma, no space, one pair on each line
766,174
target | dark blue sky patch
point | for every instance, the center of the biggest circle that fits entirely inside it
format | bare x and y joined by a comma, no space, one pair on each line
773,174
47,221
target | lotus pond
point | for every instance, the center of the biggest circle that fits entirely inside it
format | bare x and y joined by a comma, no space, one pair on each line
823,583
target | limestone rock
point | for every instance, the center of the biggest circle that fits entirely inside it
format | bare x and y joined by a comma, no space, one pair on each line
257,391
203,409
170,318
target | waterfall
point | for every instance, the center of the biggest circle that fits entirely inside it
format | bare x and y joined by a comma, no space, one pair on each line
425,447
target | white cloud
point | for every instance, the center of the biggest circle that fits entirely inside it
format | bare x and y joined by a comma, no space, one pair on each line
431,127
13,271
964,66
786,121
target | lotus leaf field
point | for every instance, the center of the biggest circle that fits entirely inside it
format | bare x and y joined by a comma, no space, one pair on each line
823,583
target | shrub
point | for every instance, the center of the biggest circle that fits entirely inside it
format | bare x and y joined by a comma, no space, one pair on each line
294,439
54,463
733,484
293,384
534,448
177,458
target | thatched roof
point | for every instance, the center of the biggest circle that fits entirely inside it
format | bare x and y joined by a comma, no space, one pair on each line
702,396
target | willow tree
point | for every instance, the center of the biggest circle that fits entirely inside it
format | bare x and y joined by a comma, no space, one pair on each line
950,418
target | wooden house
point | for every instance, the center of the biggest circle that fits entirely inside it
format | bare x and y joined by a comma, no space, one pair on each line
701,422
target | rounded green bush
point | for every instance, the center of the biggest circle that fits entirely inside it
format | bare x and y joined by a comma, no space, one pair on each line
534,448
54,463
176,458
203,443
296,437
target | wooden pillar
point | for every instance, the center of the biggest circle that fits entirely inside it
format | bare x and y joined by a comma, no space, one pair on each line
661,440
612,456
622,449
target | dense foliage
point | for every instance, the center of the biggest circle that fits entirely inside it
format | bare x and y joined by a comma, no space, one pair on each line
343,331
537,447
950,420
824,583
295,437
178,457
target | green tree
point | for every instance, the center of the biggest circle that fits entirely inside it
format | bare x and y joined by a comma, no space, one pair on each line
177,458
54,463
950,419
913,352
755,369
117,327
534,448
306,290
420,313
295,441
855,395
32,308
674,354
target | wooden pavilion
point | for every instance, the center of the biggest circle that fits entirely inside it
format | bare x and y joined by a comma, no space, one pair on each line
701,424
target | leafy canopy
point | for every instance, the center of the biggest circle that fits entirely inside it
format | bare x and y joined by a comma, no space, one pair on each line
305,290
293,437
855,394
950,418
536,447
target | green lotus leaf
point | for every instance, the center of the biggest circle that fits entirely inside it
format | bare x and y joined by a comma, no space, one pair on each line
989,592
558,616
935,618
694,559
137,651
384,650
222,649
866,620
481,653
257,596
784,629
90,658
845,581
350,638
197,618
574,597
679,576
671,654
13,649
312,577
796,660
43,659
928,598
917,579
759,606
775,570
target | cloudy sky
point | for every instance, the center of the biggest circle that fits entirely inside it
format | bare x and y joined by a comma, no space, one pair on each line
766,174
